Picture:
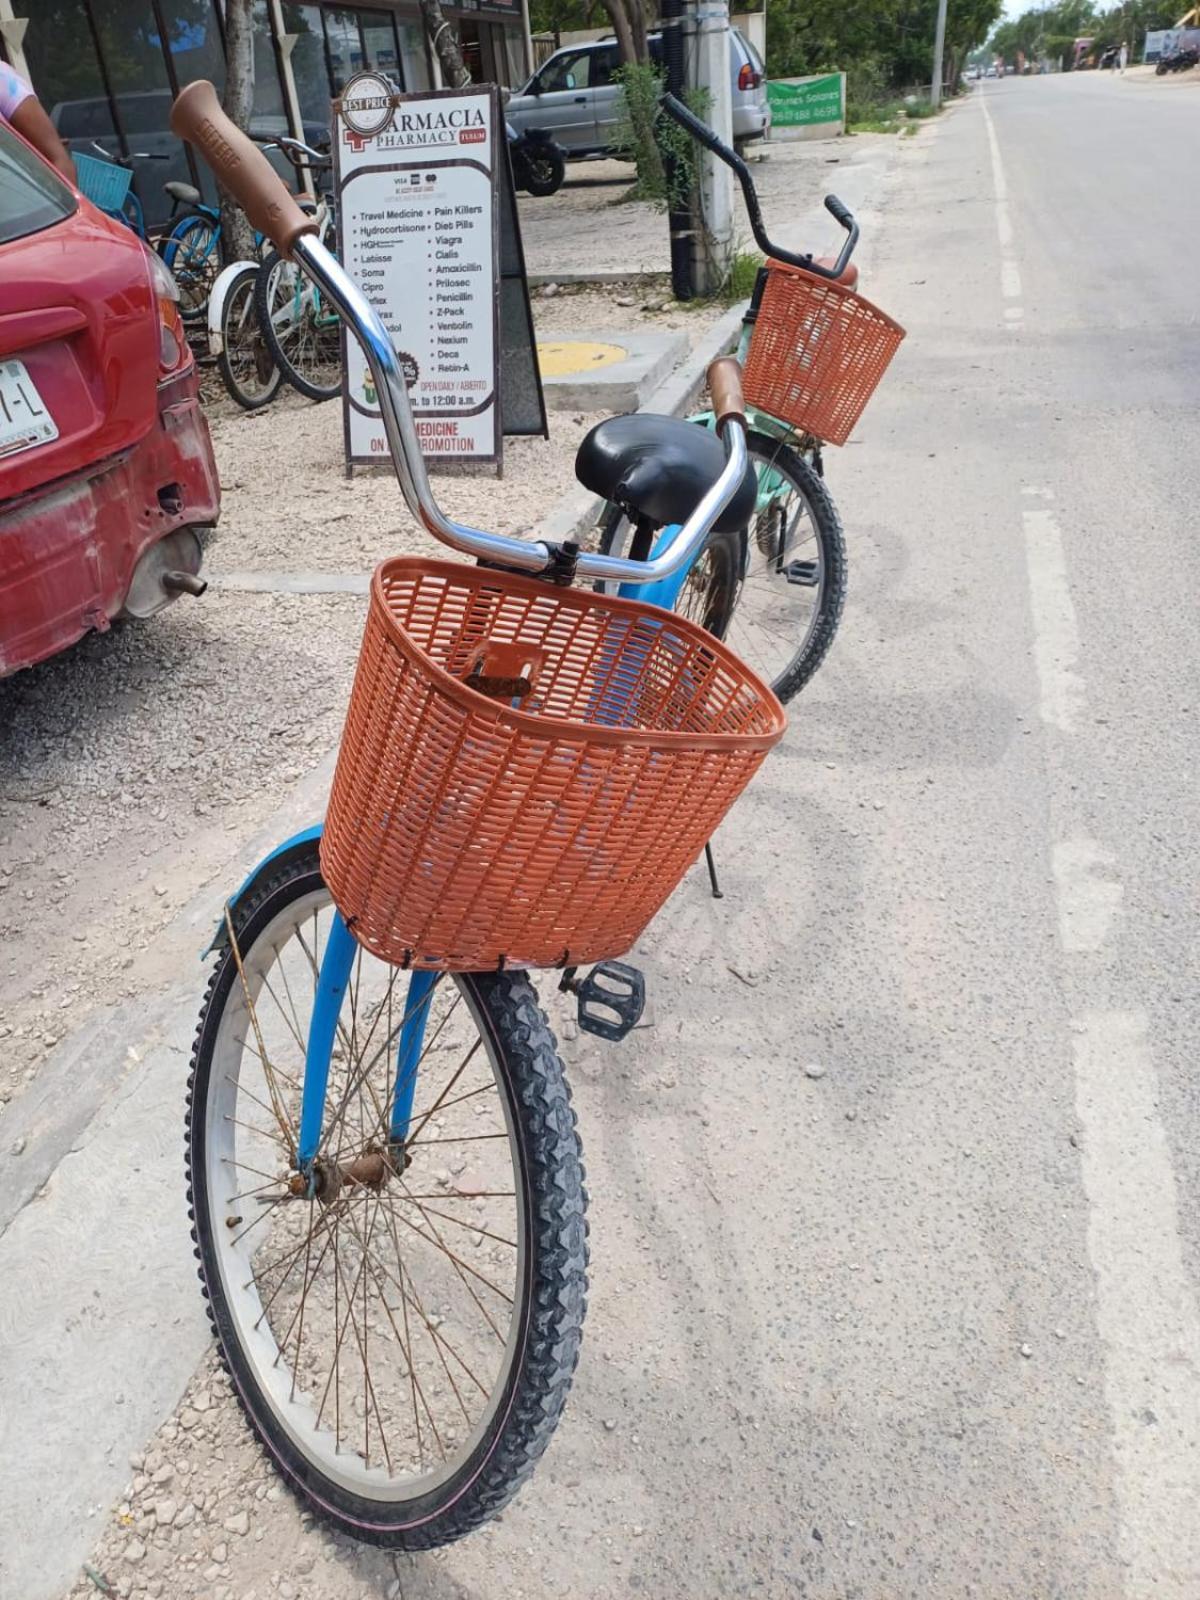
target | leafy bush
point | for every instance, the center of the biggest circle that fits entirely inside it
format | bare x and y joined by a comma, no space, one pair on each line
646,136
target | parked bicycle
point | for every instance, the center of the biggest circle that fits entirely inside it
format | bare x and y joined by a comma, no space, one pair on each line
247,358
813,351
383,1166
301,328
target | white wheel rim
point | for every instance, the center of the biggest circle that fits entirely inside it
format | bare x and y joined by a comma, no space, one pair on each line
259,1326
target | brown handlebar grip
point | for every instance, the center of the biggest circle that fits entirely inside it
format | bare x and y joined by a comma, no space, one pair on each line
725,387
240,165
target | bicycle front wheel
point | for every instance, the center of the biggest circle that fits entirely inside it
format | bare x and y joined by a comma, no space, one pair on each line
402,1340
303,332
246,365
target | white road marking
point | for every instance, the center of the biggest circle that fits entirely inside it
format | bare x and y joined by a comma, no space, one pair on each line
1088,901
1055,629
1145,1307
1010,275
999,186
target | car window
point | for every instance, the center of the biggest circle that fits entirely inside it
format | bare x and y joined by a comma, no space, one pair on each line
604,64
31,196
566,72
82,119
144,113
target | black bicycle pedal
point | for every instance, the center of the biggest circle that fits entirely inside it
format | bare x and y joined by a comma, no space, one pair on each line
611,1000
803,573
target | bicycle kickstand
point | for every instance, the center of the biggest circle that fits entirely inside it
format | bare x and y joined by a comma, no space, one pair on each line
717,891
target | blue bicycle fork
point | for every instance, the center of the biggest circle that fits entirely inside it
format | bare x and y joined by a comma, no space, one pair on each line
341,950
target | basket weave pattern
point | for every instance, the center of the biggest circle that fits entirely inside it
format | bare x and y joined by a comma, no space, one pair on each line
104,183
464,834
817,352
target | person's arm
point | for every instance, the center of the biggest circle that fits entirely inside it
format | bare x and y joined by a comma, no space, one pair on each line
32,123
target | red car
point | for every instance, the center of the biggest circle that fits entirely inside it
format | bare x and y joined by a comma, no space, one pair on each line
106,467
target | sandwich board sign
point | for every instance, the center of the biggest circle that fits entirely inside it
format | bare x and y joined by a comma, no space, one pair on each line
418,179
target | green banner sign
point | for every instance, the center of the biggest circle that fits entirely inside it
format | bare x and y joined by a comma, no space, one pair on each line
797,105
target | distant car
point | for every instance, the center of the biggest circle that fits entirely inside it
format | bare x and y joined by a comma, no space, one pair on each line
575,98
106,467
991,73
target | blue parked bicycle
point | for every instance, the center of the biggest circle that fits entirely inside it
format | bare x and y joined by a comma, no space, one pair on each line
384,1172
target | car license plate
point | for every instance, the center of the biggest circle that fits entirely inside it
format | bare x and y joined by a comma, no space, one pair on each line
24,419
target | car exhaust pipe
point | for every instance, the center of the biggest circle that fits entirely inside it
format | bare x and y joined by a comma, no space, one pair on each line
164,572
183,583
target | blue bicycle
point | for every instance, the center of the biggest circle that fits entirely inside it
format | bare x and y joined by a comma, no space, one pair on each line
384,1171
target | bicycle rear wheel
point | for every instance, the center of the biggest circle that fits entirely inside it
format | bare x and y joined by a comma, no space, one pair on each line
303,332
245,363
403,1341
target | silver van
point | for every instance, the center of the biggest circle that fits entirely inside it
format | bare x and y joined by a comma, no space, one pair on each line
574,97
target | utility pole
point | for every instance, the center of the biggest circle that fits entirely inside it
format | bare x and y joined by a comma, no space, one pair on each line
939,46
706,53
679,210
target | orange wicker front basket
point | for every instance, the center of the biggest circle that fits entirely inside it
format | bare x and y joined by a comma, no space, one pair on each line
817,352
527,771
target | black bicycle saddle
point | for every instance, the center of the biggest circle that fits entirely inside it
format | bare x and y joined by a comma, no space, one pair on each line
658,468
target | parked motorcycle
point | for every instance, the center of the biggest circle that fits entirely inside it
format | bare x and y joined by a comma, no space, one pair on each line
539,165
1178,61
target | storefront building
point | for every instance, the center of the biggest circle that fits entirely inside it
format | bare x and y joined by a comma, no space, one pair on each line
107,70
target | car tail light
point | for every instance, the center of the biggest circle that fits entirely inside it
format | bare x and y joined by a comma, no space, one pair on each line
748,78
172,340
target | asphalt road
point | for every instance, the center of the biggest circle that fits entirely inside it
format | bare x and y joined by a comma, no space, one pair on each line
923,1323
1008,948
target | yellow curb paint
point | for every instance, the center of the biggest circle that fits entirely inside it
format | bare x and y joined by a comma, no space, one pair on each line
558,358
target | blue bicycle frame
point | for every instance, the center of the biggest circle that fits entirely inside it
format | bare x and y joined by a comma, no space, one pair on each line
341,951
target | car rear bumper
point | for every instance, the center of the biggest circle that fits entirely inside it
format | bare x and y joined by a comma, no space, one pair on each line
67,551
750,121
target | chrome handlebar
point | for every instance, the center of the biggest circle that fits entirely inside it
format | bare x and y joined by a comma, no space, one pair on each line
361,318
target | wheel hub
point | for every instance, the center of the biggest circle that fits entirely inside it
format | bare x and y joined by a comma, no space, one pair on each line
372,1169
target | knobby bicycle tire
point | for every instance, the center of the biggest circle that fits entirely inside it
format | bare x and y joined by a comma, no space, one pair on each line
537,1370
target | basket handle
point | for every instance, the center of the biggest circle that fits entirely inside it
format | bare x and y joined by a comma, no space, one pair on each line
725,387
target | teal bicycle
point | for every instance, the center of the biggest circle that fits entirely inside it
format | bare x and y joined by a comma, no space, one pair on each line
813,352
303,331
